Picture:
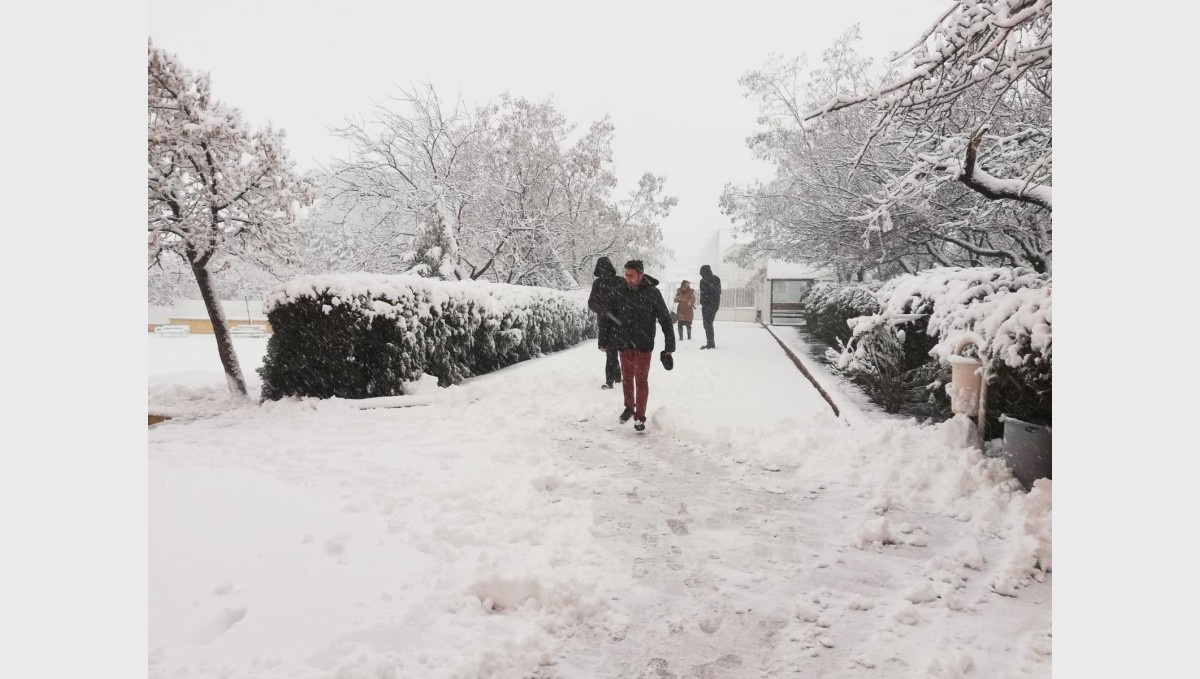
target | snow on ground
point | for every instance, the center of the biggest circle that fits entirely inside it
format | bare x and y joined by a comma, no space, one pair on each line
185,377
514,529
854,405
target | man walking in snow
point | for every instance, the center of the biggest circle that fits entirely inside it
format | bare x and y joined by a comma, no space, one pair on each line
710,299
628,326
606,281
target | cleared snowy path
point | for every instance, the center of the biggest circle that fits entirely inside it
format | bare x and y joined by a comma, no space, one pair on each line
517,530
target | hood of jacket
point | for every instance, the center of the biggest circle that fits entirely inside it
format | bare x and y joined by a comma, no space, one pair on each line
706,271
604,267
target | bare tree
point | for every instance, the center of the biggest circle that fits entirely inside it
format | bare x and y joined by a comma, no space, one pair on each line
502,193
405,180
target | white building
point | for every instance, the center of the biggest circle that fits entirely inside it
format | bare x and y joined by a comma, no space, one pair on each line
786,282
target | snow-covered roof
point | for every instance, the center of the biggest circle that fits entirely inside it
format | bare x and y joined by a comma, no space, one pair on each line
235,310
159,315
778,269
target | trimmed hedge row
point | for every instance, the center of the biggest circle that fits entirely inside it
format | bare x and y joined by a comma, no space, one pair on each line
366,335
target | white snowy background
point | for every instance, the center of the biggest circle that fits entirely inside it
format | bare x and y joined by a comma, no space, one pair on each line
74,486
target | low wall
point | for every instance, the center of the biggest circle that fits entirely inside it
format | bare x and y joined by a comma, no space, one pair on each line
204,327
738,314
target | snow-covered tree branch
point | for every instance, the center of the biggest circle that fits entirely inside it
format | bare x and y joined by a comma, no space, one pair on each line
983,73
899,183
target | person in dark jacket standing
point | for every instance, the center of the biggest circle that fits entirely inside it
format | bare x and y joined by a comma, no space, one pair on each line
710,300
606,281
628,324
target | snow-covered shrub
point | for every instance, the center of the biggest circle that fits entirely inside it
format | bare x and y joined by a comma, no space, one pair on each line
944,293
828,307
364,335
1008,310
1015,329
876,360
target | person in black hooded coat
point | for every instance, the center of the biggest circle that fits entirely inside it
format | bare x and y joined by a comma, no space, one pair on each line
710,300
606,281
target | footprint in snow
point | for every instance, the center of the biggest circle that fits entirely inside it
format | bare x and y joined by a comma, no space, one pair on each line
639,568
657,669
217,627
718,668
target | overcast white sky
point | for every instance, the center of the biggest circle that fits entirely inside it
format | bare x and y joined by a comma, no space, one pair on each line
665,71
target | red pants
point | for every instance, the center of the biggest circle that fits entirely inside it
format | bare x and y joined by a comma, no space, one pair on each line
635,368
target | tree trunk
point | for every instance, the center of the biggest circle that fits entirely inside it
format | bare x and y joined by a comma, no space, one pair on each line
229,361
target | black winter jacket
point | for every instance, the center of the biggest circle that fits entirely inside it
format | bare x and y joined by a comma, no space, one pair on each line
710,289
606,281
629,318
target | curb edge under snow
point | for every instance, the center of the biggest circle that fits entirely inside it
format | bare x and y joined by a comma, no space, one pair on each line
846,412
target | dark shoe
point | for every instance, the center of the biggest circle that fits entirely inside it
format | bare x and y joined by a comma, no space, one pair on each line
705,347
625,415
617,381
639,425
606,386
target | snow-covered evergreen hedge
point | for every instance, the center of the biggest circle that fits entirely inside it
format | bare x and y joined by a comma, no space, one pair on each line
365,335
1007,311
828,306
999,304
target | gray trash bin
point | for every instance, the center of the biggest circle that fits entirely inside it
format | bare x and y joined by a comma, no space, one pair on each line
1026,450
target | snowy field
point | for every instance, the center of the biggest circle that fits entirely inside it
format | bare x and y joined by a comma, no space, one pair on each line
509,527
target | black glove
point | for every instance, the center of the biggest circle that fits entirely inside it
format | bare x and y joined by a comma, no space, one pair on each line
667,360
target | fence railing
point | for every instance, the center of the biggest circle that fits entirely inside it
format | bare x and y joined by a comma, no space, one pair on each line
738,297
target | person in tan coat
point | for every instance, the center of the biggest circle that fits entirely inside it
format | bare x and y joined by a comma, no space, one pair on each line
685,299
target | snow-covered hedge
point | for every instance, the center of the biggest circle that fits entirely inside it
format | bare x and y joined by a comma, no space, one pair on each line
828,307
1006,311
1000,305
365,335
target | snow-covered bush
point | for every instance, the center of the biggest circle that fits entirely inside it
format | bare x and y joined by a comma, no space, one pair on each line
944,293
364,335
876,360
1015,330
1007,311
828,307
